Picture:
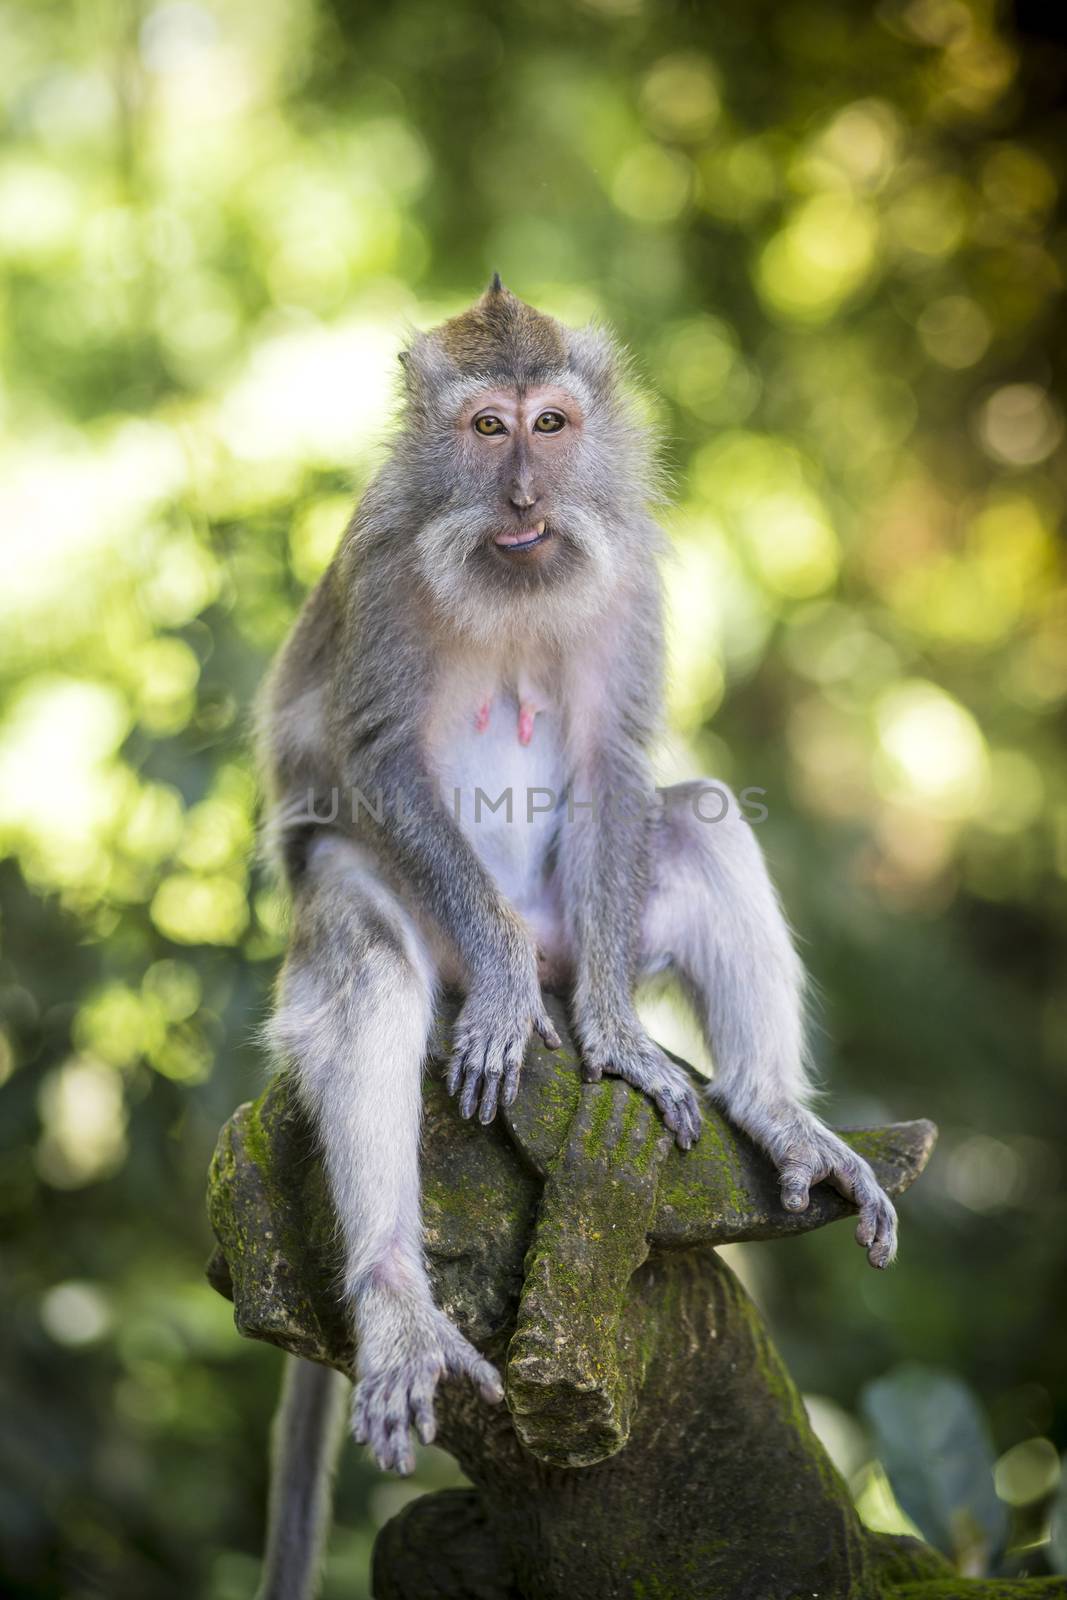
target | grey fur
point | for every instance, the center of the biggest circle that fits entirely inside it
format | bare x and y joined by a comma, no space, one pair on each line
419,619
306,1438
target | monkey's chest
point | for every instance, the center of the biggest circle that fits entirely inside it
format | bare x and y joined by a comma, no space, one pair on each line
500,771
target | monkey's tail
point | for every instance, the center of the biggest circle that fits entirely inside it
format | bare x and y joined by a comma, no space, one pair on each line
306,1439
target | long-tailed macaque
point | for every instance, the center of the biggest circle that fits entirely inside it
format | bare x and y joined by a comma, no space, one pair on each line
492,624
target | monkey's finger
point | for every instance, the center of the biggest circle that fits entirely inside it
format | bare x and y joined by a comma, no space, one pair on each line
683,1137
472,1084
465,1361
884,1248
867,1226
360,1413
795,1181
678,1107
592,1071
486,1380
379,1440
423,1413
689,1118
392,1408
490,1096
507,1056
393,1434
512,1073
473,1070
543,1025
455,1068
381,1448
399,1451
881,1253
876,1230
359,1427
678,1123
849,1179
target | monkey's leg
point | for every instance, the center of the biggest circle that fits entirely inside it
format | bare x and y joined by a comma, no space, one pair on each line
354,1014
714,919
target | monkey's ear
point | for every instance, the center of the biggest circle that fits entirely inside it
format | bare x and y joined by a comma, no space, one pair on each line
593,353
495,285
426,368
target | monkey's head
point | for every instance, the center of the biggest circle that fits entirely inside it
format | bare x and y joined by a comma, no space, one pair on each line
530,474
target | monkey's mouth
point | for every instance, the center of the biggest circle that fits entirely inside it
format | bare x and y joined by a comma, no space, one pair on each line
523,539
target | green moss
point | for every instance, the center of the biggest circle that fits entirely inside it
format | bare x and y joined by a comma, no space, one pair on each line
594,1325
256,1140
652,1588
980,1589
646,1156
223,1164
474,1204
877,1144
706,1184
768,1363
896,1558
599,1119
561,1086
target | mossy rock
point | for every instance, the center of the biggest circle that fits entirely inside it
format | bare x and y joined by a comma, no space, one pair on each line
653,1444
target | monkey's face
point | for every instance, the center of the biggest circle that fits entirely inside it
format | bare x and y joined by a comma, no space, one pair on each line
524,469
523,529
519,449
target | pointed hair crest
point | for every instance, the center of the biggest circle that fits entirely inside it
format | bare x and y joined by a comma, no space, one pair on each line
501,338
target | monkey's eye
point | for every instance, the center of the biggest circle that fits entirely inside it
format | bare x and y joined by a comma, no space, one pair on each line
488,425
550,422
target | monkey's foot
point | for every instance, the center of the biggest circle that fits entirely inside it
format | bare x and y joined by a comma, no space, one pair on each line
404,1354
806,1153
631,1055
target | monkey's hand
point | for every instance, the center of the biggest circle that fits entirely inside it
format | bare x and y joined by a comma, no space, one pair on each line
805,1152
406,1346
624,1050
492,1032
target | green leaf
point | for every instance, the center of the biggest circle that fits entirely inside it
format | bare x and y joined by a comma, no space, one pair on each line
933,1441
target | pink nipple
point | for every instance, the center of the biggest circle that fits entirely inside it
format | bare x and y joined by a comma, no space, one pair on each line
527,713
481,720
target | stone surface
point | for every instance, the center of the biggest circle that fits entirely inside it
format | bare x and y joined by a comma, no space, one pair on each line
653,1444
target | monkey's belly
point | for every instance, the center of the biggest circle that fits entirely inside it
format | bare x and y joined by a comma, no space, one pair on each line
508,797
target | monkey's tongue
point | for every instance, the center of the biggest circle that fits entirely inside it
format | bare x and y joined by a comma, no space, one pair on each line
522,538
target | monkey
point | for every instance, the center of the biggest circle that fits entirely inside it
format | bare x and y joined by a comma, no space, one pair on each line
492,622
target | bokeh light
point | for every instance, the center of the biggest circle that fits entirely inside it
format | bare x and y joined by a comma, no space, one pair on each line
833,240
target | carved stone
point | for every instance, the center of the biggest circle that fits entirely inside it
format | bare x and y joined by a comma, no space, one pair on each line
653,1446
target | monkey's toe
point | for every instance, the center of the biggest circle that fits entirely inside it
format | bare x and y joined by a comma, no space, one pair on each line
876,1231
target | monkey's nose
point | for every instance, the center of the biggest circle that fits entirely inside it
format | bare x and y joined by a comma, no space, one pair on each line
523,496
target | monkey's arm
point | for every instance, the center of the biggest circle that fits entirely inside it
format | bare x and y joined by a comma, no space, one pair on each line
433,858
377,724
604,861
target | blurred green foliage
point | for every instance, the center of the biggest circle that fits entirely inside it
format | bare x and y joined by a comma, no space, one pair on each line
832,234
